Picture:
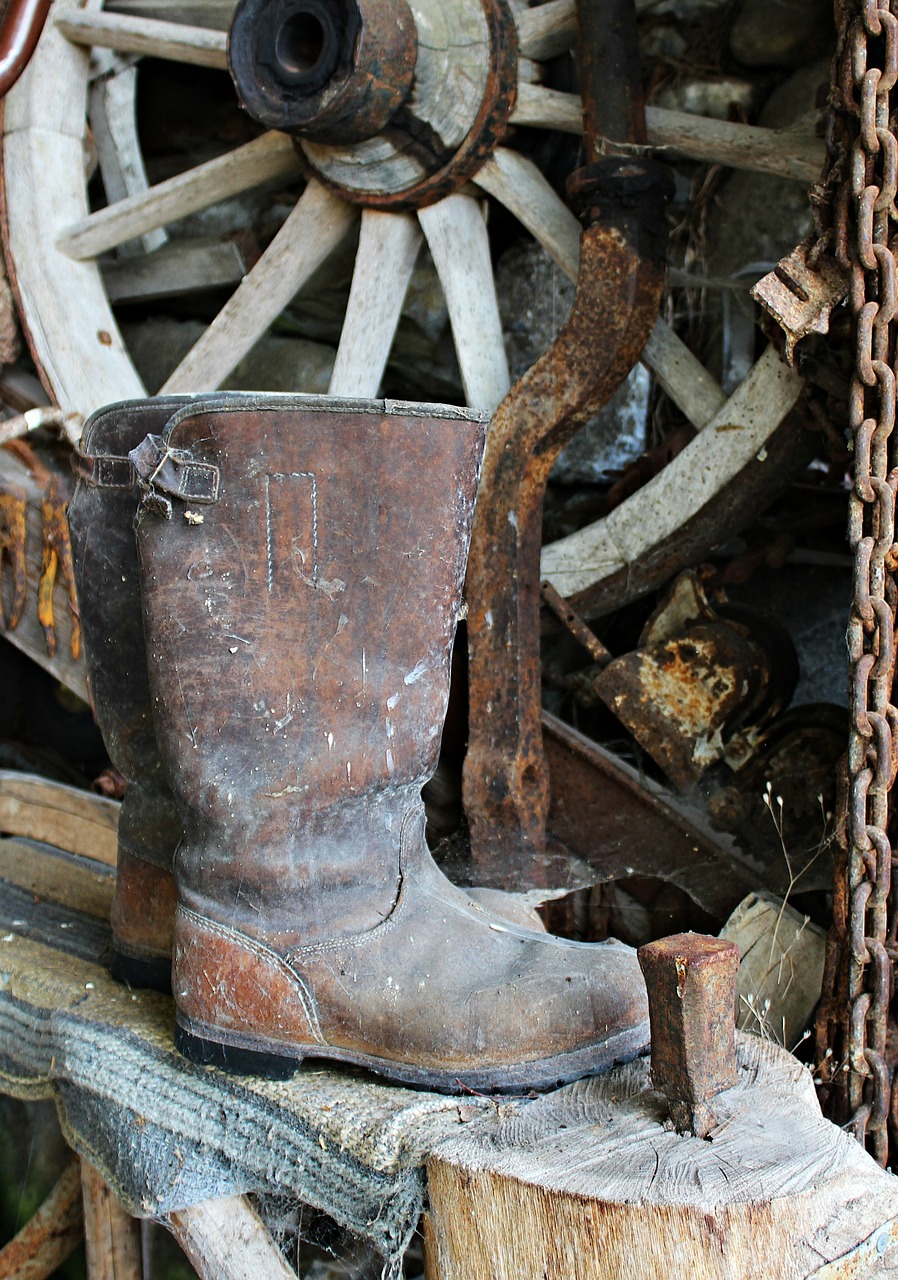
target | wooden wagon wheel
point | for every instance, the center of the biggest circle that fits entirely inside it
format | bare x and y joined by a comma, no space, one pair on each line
53,241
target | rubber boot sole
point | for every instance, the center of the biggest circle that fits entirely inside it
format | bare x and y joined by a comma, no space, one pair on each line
240,1054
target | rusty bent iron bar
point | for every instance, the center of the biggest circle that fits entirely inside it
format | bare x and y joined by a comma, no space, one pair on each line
620,199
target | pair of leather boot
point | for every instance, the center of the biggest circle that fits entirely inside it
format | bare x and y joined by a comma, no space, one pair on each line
301,564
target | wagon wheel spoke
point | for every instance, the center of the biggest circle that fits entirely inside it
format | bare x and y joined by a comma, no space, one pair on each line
519,185
314,228
268,157
197,46
388,247
547,30
459,244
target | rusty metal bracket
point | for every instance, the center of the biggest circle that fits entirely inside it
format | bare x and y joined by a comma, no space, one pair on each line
621,201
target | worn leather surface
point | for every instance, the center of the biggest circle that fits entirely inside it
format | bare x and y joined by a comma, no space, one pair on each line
298,639
101,517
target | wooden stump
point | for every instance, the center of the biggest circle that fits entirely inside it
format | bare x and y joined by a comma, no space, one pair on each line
591,1183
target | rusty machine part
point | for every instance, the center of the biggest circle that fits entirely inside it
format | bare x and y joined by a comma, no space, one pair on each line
20,29
333,72
621,202
856,1065
339,78
702,683
691,982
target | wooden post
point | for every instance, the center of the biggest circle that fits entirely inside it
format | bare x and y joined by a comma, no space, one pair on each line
111,1236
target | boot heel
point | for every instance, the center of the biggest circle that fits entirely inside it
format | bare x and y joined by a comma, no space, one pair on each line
230,1058
150,974
238,1005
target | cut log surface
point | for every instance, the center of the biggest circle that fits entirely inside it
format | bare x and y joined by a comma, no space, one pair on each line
590,1182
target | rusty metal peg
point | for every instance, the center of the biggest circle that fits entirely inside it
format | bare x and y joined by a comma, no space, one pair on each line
691,982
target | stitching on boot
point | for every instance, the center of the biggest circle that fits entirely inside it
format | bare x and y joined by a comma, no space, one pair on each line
386,926
263,953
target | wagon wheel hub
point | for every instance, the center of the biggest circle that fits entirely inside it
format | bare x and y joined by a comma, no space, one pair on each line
394,103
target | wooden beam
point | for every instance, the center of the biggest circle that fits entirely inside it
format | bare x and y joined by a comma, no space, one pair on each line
111,1236
76,821
179,267
225,1239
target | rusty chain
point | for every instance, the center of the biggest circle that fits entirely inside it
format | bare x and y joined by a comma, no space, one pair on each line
853,1022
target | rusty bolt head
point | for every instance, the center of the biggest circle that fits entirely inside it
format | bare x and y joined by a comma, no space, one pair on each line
691,982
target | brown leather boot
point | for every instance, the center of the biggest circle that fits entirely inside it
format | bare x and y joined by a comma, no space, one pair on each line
301,565
101,518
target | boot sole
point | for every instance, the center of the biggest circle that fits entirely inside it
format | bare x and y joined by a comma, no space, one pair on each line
153,975
240,1054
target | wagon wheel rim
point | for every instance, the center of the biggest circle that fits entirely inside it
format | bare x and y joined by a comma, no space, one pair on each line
52,241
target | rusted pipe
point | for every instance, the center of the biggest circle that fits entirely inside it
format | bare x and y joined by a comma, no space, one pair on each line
20,31
622,253
610,77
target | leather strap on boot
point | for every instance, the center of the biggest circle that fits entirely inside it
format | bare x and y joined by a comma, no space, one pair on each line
103,471
161,470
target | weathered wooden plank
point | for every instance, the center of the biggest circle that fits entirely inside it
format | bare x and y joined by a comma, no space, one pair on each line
225,1239
111,1236
76,821
179,267
173,41
270,156
590,1182
80,883
458,241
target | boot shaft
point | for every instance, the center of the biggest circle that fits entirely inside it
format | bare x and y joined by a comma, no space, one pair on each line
301,601
101,517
